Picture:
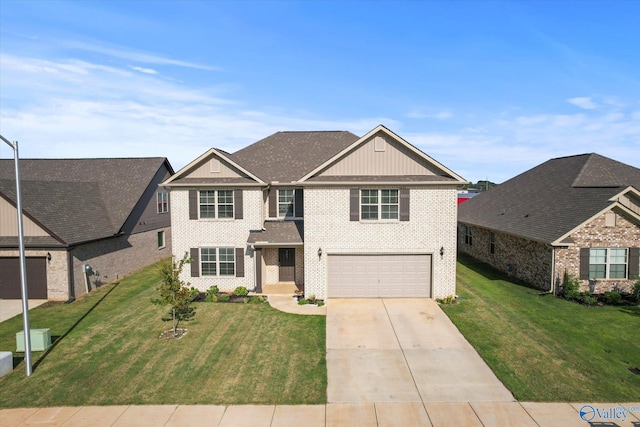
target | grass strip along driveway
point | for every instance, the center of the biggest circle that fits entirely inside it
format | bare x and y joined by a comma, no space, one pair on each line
544,348
107,351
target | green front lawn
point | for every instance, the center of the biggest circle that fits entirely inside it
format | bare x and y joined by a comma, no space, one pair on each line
544,348
107,351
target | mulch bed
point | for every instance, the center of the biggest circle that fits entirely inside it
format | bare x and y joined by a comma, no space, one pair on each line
168,334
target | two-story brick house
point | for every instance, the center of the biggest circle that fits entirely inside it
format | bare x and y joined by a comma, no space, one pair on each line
577,214
335,214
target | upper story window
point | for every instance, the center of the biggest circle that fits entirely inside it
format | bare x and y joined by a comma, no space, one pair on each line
608,263
379,204
286,203
216,203
286,200
162,200
386,204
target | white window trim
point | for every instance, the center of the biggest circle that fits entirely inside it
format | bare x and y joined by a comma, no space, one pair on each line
293,203
164,239
607,265
216,206
217,262
160,204
379,204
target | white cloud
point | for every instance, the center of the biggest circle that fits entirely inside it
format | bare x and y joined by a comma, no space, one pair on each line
73,108
584,102
144,70
132,55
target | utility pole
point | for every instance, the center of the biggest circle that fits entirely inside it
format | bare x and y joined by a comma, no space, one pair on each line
23,269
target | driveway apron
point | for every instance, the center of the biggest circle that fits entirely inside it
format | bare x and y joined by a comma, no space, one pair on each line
402,350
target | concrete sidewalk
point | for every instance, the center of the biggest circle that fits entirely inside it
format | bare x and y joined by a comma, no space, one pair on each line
498,414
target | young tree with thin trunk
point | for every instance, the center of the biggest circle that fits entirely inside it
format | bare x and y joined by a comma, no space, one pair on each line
175,292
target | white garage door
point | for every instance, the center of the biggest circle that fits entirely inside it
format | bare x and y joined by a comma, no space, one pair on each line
379,275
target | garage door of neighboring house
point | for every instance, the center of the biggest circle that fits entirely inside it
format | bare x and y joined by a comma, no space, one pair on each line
10,287
379,275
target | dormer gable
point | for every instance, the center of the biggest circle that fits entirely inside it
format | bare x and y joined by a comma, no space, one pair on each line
215,167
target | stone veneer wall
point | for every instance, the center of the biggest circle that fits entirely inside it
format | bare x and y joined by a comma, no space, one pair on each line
596,234
432,224
523,259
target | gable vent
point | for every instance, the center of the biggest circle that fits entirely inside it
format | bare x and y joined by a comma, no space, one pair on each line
379,144
215,165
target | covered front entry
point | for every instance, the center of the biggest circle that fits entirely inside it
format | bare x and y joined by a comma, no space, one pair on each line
287,264
379,275
279,247
10,286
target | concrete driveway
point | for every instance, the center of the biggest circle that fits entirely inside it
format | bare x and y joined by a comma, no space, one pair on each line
12,307
402,350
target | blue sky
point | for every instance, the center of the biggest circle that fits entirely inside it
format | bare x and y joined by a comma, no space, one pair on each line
490,89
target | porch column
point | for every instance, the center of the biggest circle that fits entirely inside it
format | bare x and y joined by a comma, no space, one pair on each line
258,286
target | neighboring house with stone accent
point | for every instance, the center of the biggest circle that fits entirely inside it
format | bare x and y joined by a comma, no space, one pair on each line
578,214
86,222
332,213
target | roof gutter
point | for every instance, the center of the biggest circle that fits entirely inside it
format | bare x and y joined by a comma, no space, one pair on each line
377,183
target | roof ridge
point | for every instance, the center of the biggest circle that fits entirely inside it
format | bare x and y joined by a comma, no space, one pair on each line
578,176
574,155
311,131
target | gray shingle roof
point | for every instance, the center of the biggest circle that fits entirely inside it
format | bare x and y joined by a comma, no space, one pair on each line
279,232
80,199
548,201
288,156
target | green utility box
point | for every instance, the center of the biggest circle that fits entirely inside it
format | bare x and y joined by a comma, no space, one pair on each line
40,340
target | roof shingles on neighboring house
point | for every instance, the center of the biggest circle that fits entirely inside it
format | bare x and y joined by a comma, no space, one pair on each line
550,200
79,200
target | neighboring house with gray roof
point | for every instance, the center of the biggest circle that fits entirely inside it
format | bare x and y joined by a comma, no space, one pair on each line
86,222
327,213
578,214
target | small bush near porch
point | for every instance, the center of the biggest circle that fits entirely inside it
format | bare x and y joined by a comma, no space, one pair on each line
107,351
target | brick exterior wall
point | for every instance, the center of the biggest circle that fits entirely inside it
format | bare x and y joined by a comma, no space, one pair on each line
113,258
189,234
432,225
110,258
596,234
523,259
57,276
533,262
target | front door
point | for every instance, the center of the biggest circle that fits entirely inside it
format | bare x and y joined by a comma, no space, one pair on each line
287,263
